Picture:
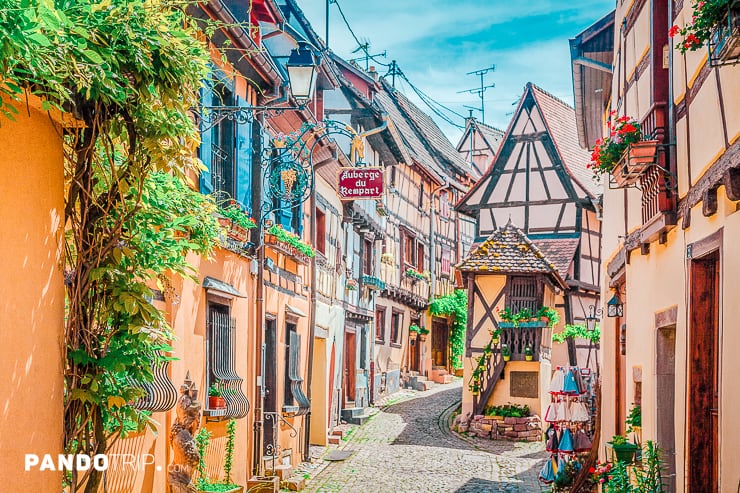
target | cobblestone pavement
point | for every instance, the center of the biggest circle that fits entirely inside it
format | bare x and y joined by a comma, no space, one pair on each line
408,447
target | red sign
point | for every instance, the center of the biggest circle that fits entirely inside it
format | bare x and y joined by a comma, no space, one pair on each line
360,183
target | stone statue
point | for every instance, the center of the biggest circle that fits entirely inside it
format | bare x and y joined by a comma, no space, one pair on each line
182,438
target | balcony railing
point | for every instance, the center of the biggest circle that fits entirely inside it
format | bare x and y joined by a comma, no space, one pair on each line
517,339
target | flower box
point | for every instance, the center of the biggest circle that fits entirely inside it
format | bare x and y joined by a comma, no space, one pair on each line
521,325
373,283
235,489
286,249
238,233
637,158
216,402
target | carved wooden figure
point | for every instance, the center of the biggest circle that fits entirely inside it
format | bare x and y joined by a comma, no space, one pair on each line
182,439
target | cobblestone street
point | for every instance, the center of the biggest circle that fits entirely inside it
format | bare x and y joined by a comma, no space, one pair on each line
407,447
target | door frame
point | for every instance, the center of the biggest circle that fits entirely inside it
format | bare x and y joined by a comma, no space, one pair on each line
705,251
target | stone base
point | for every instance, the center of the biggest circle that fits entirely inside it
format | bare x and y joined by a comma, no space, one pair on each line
498,428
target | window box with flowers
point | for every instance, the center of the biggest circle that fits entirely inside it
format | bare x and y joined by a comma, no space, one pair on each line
387,258
415,275
715,21
236,220
351,284
288,243
545,317
373,283
623,154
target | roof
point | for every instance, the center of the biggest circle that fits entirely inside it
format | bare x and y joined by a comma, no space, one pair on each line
509,251
592,54
560,251
423,138
492,136
560,119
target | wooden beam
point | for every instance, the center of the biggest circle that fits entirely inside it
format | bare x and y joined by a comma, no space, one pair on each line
709,202
731,180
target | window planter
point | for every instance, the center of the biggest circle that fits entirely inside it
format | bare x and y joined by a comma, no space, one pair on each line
238,233
637,158
522,325
216,402
373,283
235,489
286,249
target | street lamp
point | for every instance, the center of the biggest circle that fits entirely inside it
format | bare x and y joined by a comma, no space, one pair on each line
302,68
593,316
614,307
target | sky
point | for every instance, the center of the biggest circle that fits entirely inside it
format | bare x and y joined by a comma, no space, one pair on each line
437,42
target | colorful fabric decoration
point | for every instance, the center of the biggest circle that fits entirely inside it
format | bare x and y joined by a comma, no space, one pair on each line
566,441
578,412
562,411
556,384
581,442
569,383
552,440
547,474
551,415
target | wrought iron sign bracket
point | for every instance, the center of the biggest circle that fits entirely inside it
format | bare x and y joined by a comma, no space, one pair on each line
207,117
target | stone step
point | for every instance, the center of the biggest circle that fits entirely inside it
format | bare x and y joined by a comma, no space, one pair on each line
423,385
283,471
296,483
337,432
352,411
358,419
335,440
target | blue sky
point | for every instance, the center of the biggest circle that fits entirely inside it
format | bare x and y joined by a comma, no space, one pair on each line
436,42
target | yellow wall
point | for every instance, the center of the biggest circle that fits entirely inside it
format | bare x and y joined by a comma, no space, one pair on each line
31,298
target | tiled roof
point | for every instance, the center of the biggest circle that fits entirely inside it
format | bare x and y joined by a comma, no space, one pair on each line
560,251
561,121
508,250
493,135
426,142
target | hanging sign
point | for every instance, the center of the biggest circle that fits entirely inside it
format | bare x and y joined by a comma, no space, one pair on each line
360,183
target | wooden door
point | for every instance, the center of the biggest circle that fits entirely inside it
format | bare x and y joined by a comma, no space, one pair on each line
621,378
440,343
703,419
350,366
414,348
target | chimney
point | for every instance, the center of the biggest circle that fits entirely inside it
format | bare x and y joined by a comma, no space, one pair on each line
372,73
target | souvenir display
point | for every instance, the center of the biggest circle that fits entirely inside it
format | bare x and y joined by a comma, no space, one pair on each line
569,419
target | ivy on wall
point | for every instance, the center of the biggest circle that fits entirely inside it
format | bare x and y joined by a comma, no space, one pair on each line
454,305
129,72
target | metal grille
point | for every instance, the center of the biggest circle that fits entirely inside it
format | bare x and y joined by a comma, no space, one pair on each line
294,364
223,362
161,394
524,293
220,173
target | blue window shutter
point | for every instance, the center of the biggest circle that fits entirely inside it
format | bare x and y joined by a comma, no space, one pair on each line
206,139
243,156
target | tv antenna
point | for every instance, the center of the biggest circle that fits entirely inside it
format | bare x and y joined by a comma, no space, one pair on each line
481,90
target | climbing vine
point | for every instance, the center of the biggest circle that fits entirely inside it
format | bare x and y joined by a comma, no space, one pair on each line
577,331
454,305
128,72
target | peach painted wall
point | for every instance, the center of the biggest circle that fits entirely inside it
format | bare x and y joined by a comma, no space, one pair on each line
31,298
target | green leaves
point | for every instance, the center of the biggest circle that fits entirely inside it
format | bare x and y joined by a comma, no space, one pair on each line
454,305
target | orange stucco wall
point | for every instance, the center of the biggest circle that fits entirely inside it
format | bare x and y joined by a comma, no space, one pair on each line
31,298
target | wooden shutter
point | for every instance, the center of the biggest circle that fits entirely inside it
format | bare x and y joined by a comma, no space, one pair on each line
446,261
524,292
243,155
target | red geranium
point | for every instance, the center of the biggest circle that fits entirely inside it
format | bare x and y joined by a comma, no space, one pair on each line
707,14
607,151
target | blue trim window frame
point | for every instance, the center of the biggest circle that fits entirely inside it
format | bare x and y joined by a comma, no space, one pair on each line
226,148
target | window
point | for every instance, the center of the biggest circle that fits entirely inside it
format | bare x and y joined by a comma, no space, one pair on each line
367,257
407,251
380,323
221,369
290,333
524,292
420,256
320,231
444,205
226,148
446,260
421,195
396,323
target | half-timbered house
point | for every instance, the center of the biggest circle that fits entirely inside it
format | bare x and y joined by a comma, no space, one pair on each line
425,237
670,233
479,143
537,187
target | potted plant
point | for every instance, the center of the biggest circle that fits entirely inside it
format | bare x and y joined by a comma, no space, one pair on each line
202,441
423,332
624,451
505,352
528,353
623,153
709,17
239,221
548,315
634,420
414,332
474,387
215,397
387,258
351,284
509,319
495,334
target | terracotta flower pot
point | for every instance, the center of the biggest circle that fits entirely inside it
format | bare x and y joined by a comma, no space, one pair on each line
216,402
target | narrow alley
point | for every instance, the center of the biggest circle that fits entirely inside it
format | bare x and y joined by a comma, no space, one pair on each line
407,446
